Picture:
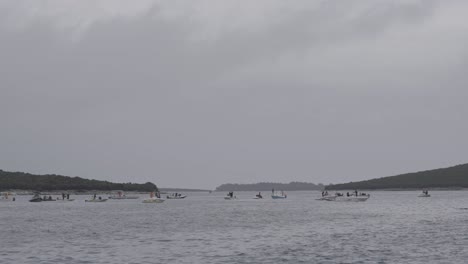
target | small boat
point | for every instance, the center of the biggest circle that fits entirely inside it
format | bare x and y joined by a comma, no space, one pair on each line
425,193
279,195
36,198
176,196
328,197
121,196
153,199
258,196
230,196
7,197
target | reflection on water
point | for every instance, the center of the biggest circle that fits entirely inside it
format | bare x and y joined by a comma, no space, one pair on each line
391,227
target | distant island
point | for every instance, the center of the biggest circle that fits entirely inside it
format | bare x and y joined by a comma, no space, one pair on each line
52,182
268,186
452,177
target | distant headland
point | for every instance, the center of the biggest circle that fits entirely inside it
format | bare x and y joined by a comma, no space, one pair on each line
52,182
455,177
268,186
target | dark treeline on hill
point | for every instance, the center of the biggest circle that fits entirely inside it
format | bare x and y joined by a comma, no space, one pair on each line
268,186
452,177
52,182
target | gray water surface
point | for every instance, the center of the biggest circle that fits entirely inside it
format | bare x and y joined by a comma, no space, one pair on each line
391,227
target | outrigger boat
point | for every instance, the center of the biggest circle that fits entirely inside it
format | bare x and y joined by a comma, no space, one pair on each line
153,198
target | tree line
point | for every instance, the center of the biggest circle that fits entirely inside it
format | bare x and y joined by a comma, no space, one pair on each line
52,182
452,177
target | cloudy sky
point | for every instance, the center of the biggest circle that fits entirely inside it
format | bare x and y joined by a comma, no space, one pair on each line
199,93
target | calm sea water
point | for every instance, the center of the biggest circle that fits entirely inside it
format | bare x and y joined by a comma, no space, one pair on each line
391,227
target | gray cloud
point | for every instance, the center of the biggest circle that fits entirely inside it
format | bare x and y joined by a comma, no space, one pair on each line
198,95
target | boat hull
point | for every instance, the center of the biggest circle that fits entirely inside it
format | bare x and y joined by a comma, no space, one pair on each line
424,195
278,197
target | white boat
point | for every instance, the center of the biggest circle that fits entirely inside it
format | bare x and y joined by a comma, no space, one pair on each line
153,199
176,196
279,195
7,197
328,197
121,196
230,196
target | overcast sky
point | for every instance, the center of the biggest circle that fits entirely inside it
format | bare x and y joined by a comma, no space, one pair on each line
199,93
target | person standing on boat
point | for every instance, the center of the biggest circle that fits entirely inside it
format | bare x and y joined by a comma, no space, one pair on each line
356,192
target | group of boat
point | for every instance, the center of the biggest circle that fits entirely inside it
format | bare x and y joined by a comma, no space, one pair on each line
341,197
274,195
155,197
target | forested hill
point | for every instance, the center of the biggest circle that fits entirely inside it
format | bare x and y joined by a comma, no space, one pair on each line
452,177
268,186
52,182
